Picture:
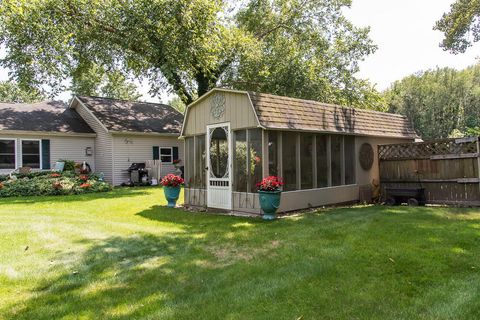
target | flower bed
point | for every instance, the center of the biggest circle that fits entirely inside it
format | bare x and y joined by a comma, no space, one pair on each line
50,183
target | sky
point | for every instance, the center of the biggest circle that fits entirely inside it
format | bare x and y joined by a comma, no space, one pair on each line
403,32
407,43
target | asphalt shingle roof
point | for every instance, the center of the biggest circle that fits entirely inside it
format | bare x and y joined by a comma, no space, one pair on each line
277,112
133,116
46,116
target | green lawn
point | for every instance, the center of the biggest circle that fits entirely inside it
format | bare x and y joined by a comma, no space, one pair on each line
123,255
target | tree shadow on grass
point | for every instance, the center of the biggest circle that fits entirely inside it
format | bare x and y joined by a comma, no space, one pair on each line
215,266
170,275
116,193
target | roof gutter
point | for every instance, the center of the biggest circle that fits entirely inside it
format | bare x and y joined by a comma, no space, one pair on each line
49,133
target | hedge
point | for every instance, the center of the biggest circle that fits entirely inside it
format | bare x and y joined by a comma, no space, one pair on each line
51,183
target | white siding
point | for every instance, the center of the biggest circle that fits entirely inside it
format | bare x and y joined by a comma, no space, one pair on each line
103,144
139,149
61,147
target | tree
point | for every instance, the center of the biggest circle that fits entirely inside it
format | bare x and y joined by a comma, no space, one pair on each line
293,47
95,81
11,92
440,103
461,26
177,104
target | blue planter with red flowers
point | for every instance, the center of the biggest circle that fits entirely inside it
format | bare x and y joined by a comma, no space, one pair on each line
269,202
171,188
269,195
171,194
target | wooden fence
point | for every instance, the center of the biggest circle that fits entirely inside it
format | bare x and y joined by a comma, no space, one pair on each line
448,169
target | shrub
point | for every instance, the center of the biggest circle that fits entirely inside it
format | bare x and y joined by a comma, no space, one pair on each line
69,165
48,183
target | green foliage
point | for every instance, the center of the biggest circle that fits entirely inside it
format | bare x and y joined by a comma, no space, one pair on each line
461,26
48,183
12,92
306,49
69,165
92,80
177,104
438,101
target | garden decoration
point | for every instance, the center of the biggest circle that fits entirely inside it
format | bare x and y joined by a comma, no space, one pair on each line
269,193
171,186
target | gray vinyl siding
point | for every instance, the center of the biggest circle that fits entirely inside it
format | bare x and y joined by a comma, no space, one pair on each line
103,144
61,147
139,149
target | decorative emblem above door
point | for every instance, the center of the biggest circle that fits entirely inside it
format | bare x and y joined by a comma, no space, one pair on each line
217,107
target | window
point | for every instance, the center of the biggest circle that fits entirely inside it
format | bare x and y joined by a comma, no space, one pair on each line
336,162
200,181
7,154
240,161
255,168
166,155
247,161
306,160
272,153
31,153
189,162
322,161
289,160
349,159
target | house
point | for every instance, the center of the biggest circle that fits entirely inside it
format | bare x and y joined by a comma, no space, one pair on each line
324,153
109,134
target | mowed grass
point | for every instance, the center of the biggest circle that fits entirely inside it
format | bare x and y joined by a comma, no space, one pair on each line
124,255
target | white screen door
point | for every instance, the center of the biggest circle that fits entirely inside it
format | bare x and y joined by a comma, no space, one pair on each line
219,184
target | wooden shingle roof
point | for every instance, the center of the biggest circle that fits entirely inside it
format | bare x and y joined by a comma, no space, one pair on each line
284,113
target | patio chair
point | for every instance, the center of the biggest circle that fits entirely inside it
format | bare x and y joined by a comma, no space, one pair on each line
59,165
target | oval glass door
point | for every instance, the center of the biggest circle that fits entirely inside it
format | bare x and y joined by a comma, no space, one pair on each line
219,153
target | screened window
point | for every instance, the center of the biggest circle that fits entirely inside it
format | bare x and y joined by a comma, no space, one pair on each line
322,161
240,161
289,160
166,155
255,162
336,163
189,162
31,153
306,160
200,162
7,154
349,159
273,153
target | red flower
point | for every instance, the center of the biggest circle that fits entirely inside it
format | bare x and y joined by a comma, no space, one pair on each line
171,180
85,185
176,161
83,177
271,183
55,175
1,185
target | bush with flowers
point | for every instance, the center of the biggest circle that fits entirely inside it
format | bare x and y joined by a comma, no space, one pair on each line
271,183
171,180
46,183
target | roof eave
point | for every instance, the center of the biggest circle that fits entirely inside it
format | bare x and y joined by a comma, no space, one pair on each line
49,133
136,133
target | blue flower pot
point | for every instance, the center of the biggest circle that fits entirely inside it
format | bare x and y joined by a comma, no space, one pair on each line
269,202
171,194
